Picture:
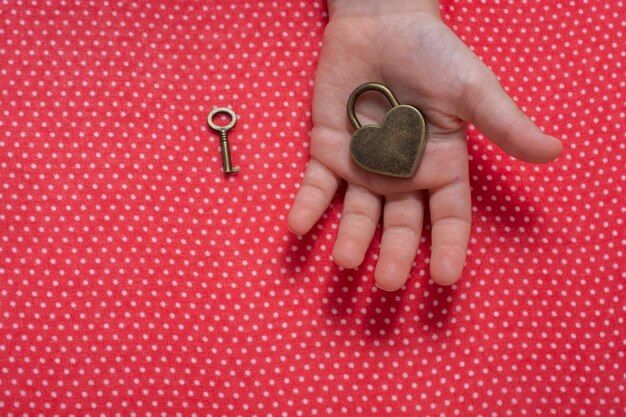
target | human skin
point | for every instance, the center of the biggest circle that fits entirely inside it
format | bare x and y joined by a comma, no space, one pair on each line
405,45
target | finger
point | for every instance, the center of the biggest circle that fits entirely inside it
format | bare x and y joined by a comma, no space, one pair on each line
402,230
361,212
318,188
497,116
450,215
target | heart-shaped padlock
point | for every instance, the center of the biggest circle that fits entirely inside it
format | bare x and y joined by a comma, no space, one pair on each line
395,147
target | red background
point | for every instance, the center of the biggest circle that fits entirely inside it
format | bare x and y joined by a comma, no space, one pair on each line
137,279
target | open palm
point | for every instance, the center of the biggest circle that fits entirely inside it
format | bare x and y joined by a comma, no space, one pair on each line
426,65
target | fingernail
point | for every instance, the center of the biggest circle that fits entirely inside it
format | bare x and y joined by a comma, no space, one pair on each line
382,288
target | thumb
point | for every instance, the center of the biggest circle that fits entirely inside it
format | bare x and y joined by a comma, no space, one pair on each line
497,116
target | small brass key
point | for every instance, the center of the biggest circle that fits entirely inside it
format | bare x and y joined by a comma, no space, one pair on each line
227,164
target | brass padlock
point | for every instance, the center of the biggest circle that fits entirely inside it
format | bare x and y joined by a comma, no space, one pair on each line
395,147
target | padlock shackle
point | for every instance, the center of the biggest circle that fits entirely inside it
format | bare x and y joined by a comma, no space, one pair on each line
381,88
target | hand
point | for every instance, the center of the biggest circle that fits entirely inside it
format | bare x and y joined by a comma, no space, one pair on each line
405,45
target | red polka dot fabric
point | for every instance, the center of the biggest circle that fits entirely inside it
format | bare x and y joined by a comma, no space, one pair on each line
137,279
